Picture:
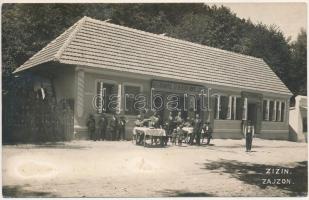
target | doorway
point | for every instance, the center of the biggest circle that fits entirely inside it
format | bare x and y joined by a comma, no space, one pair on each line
252,113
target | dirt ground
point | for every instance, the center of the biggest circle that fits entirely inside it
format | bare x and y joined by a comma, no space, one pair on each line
122,169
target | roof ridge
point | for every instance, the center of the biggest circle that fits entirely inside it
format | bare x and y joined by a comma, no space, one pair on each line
169,38
70,38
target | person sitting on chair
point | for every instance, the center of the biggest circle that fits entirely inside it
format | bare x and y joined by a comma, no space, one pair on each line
139,122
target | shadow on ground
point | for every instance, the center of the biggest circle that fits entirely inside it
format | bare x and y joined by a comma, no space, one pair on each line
255,174
18,191
51,145
183,193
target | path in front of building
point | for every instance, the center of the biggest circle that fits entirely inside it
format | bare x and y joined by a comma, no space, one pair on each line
122,169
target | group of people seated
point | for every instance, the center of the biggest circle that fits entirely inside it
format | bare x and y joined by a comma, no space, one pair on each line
177,129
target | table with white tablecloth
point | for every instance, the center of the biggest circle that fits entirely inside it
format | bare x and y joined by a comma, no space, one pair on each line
189,131
149,131
146,131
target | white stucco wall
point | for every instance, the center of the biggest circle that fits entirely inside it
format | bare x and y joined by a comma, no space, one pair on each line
297,114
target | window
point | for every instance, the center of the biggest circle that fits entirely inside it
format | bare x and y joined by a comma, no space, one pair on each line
265,115
266,104
131,92
273,110
278,111
217,107
224,107
228,107
239,108
235,109
282,111
106,97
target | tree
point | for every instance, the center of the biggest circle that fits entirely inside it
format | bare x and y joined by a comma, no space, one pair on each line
297,78
26,28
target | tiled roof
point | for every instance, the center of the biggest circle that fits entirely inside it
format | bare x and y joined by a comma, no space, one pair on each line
105,45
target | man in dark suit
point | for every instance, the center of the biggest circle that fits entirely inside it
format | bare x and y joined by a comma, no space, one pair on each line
102,126
91,127
197,128
249,133
114,127
122,128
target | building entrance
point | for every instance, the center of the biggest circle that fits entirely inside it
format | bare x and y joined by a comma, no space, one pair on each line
252,113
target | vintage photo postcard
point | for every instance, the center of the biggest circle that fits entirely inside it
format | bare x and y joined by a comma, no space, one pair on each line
154,99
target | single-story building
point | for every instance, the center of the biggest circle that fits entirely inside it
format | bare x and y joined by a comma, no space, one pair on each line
95,58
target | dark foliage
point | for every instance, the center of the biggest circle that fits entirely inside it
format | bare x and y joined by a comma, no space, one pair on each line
31,119
26,28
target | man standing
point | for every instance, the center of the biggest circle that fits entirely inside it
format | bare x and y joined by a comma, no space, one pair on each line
207,132
102,126
122,128
91,127
178,120
170,125
197,126
114,127
249,133
154,123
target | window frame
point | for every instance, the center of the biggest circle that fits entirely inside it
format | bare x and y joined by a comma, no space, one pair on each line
276,111
141,86
218,108
108,81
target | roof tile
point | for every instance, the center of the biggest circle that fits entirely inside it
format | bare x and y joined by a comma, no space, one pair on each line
105,45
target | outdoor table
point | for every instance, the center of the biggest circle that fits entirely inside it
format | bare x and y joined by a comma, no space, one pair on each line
158,132
189,131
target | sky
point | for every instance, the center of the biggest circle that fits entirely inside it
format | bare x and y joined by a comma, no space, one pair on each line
289,17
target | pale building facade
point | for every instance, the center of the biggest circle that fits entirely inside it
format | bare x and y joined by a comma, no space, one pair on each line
94,56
